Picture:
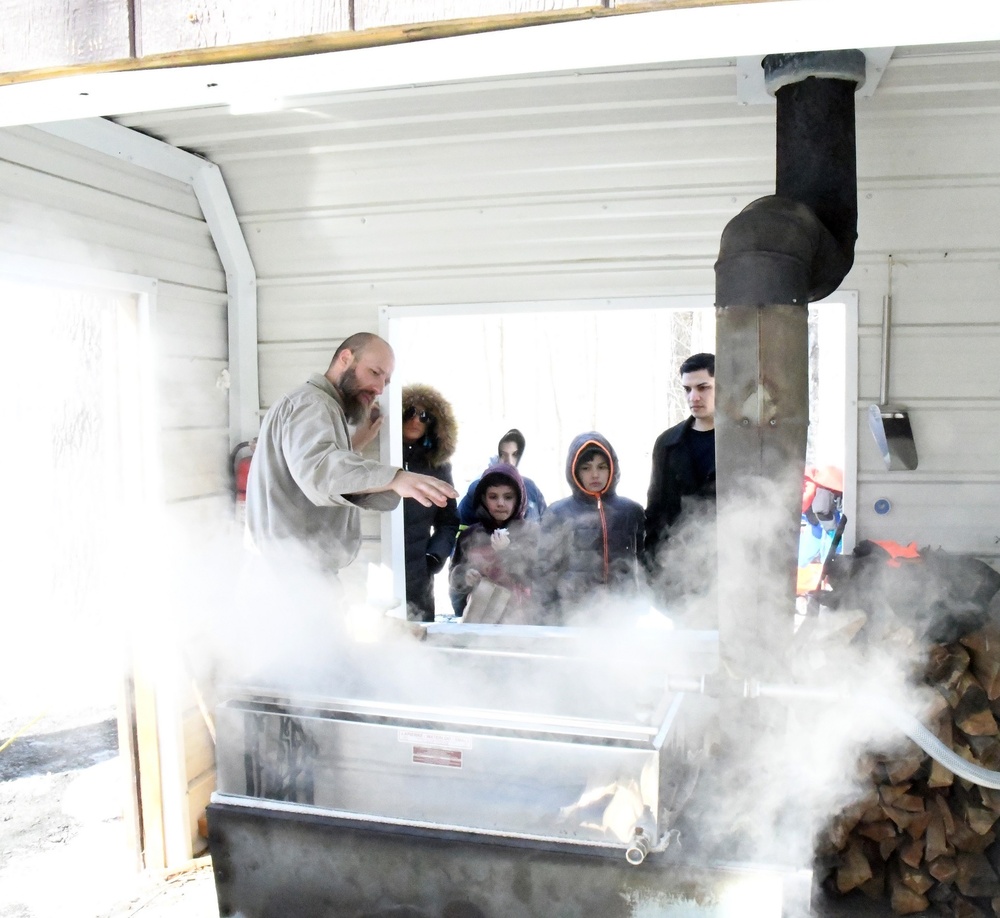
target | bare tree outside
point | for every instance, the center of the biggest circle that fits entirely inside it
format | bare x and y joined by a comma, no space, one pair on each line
554,375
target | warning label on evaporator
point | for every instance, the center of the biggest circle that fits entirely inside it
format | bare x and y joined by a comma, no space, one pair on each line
434,738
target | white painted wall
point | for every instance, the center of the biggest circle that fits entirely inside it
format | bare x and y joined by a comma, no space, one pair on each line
587,185
63,203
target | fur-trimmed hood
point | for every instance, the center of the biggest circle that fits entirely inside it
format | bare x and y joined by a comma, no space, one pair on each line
443,430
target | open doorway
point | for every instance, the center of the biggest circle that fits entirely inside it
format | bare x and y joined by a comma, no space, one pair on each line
555,369
70,363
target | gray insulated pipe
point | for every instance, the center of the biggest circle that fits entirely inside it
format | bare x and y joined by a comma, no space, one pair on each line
777,255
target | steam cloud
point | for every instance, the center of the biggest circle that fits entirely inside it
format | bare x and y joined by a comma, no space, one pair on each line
773,770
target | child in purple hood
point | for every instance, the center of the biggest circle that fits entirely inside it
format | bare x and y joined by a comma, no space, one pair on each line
500,547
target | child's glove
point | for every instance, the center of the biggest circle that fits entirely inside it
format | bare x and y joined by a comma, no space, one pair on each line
500,539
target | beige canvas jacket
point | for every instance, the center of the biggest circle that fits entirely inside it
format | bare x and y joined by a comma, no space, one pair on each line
302,492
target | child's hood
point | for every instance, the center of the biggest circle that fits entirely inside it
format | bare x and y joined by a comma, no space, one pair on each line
514,477
582,442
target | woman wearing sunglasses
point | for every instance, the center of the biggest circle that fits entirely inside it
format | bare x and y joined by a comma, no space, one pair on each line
429,438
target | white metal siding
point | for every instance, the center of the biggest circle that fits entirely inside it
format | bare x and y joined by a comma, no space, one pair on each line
64,203
619,184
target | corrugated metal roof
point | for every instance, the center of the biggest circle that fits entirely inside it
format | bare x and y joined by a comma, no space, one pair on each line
532,173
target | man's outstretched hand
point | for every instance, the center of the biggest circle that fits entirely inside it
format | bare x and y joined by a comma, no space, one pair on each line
423,488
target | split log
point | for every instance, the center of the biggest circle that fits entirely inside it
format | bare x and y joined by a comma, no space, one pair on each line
903,819
918,825
901,770
943,869
888,846
911,803
854,869
984,651
962,908
914,878
889,794
936,844
912,853
986,750
938,711
920,836
875,887
973,715
975,877
940,776
947,664
964,840
836,837
978,818
903,899
990,798
877,831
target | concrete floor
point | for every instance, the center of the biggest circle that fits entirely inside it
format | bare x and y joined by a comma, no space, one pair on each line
187,893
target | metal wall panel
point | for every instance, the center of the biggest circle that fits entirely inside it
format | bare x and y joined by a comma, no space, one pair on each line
618,184
949,506
52,156
89,219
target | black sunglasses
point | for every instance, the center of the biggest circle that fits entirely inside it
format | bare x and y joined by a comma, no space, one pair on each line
424,416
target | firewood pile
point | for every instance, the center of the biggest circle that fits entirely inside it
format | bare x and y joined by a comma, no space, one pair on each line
921,837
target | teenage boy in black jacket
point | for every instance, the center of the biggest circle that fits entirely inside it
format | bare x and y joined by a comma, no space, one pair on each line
683,472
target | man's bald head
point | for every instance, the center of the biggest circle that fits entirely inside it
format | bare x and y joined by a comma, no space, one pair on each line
360,371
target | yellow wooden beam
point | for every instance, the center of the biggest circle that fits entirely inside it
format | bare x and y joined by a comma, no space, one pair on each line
368,38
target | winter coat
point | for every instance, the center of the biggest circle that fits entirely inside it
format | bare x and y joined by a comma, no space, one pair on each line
511,566
428,532
675,486
590,542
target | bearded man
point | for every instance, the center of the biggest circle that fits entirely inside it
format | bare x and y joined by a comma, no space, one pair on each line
308,480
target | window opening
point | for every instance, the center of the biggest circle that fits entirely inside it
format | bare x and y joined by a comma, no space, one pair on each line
553,370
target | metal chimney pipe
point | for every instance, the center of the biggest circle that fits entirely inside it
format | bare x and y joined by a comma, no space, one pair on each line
777,255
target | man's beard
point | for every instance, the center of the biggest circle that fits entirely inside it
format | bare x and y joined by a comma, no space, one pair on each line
354,407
